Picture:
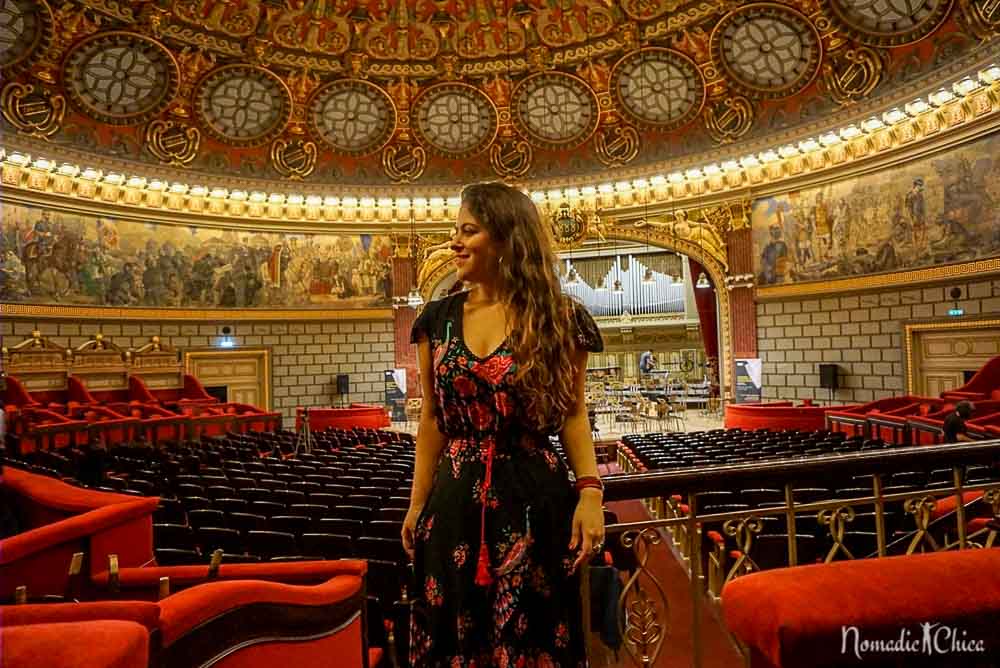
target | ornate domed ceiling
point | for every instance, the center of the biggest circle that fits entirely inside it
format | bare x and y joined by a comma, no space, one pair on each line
371,92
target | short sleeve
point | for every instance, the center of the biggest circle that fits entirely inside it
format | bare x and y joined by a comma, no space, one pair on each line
424,326
588,336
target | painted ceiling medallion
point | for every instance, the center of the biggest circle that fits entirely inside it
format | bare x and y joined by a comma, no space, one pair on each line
658,88
120,77
243,105
888,22
454,120
25,33
555,110
352,116
768,50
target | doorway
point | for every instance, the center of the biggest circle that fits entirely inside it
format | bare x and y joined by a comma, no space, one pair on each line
244,374
942,356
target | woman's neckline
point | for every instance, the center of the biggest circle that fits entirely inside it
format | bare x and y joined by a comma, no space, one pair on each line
463,299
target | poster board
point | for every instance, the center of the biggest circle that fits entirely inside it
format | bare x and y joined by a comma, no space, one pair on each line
748,380
395,394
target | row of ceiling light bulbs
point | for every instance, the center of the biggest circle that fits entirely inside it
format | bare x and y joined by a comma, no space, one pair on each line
962,88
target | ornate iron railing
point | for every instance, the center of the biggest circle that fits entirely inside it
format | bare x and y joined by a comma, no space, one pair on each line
715,548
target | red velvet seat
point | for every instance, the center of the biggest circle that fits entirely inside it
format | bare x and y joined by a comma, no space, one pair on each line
93,644
793,617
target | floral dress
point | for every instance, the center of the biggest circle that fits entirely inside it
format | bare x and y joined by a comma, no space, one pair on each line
493,568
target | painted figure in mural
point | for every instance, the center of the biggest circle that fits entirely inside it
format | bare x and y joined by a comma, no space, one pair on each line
916,207
70,259
803,237
934,211
774,259
822,228
13,282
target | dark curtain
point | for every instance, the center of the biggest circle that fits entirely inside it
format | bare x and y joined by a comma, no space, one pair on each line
704,299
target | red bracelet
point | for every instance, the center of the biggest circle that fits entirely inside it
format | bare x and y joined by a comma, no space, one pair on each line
592,482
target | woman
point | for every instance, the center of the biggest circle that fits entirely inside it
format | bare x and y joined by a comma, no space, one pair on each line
496,529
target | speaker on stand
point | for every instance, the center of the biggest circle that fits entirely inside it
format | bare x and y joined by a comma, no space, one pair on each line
829,378
342,387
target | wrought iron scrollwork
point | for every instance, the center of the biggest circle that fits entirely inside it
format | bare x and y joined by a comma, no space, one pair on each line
643,624
837,519
921,508
743,530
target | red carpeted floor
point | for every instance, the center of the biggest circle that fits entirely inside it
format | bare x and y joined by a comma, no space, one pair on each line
718,650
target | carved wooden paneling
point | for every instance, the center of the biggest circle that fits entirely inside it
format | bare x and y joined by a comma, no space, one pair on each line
246,374
941,357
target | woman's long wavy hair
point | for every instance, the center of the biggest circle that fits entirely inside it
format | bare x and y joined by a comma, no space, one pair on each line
542,337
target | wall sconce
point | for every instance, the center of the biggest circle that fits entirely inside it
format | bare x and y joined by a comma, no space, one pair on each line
226,341
956,311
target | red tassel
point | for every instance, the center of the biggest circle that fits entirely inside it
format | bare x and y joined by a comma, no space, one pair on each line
483,576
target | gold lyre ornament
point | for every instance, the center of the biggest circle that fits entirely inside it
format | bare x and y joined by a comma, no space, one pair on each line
404,163
511,158
616,145
853,74
729,119
295,159
173,142
34,111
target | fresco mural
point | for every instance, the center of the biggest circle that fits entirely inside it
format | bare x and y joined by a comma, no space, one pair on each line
65,258
934,211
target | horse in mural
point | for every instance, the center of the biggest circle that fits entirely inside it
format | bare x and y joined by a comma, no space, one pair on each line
50,264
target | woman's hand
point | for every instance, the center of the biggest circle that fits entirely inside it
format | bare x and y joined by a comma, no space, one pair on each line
588,525
410,528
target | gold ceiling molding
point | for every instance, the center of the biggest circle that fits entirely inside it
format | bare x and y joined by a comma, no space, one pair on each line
540,79
942,127
47,311
964,270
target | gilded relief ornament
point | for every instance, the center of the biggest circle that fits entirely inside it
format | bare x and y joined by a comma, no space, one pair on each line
70,22
235,19
172,142
293,159
729,119
404,162
26,34
32,110
314,28
616,144
511,158
981,17
853,74
569,226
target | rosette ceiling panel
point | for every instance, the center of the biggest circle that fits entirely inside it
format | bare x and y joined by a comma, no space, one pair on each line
363,93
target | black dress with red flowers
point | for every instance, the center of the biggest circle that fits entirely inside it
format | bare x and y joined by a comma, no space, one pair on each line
493,566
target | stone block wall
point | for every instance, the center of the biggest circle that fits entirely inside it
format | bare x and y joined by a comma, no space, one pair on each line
305,356
862,333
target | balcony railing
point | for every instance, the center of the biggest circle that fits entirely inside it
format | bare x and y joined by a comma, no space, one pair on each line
715,548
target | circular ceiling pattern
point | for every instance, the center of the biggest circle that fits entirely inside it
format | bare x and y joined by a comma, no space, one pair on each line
120,77
243,105
455,120
889,22
352,116
658,88
555,110
768,50
25,26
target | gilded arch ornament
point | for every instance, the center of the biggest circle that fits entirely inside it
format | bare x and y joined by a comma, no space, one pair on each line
697,233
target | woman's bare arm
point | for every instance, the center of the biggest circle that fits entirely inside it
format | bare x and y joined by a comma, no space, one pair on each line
430,440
